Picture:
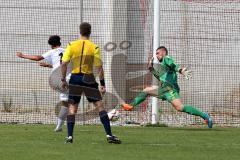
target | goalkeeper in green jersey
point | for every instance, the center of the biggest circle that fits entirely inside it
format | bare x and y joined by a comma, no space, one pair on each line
168,89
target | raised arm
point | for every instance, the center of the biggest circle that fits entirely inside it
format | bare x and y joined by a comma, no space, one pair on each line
152,70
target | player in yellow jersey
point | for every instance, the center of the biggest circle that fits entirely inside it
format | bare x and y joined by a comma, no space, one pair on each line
84,55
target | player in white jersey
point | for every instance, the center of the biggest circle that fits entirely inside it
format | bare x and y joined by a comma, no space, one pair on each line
53,57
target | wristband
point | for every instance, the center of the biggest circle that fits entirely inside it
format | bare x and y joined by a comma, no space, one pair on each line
102,82
150,69
180,71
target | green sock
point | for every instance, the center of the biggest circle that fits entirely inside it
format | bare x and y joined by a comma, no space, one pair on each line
194,111
139,99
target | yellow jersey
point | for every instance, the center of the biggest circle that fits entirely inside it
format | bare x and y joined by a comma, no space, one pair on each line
83,54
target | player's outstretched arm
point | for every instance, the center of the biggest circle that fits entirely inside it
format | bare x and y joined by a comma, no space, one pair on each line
174,66
30,57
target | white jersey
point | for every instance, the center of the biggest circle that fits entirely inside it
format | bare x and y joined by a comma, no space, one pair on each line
54,57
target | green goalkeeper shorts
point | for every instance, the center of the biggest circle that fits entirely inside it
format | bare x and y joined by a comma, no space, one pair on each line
168,93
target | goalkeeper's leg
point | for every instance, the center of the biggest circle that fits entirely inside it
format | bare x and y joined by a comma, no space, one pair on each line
178,105
141,97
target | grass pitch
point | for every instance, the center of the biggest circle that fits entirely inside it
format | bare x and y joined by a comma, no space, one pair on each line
39,142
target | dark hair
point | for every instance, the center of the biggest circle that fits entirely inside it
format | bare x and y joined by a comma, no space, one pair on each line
54,41
85,29
162,47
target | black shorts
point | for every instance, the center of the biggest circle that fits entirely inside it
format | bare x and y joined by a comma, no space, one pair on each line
83,83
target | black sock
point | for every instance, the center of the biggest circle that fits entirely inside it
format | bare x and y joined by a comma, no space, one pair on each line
105,121
70,124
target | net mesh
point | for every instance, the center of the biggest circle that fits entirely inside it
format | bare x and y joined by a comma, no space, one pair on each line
202,35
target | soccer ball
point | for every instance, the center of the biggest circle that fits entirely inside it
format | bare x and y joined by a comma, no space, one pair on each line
113,115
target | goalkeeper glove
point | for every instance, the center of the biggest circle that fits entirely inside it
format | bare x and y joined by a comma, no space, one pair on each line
152,70
150,64
187,73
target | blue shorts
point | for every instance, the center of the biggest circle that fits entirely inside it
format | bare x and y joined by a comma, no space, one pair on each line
83,83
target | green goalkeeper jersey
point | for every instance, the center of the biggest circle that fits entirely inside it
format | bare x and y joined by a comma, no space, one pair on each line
166,72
